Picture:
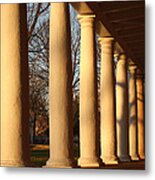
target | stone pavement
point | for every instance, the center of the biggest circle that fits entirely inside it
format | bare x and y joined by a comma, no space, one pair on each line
134,165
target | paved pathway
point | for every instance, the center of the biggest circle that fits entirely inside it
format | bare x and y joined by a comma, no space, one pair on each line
134,165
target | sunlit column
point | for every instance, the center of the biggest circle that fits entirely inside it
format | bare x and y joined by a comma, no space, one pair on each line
88,94
107,103
140,116
14,122
122,108
132,114
60,88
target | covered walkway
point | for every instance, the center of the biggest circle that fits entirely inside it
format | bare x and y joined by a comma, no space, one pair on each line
118,134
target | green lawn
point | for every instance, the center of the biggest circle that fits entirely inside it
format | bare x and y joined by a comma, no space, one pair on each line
39,155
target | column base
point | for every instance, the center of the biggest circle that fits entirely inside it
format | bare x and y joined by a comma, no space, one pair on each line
124,158
4,163
142,157
134,157
89,162
59,163
110,160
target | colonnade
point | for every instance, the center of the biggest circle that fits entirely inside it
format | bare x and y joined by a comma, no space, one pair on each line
121,122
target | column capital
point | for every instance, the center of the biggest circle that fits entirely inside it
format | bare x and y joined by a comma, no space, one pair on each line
132,69
116,55
106,44
122,58
86,19
105,40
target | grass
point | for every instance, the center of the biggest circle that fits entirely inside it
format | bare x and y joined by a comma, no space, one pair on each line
39,154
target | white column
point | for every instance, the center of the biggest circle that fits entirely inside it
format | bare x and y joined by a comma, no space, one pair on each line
122,109
14,86
60,88
132,114
107,103
140,116
88,94
133,145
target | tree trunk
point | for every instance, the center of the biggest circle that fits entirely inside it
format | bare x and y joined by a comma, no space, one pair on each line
34,127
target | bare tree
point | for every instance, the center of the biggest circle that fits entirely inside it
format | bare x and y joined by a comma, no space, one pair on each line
38,44
75,50
38,39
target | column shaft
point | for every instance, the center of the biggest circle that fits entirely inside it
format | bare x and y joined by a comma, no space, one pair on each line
14,86
140,114
60,88
107,101
88,94
132,114
122,109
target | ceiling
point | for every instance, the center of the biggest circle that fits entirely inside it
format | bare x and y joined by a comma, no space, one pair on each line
125,21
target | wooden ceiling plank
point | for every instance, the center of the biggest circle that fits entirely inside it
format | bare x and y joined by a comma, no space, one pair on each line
131,41
110,6
125,20
134,31
126,15
135,40
122,9
136,34
119,27
132,21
